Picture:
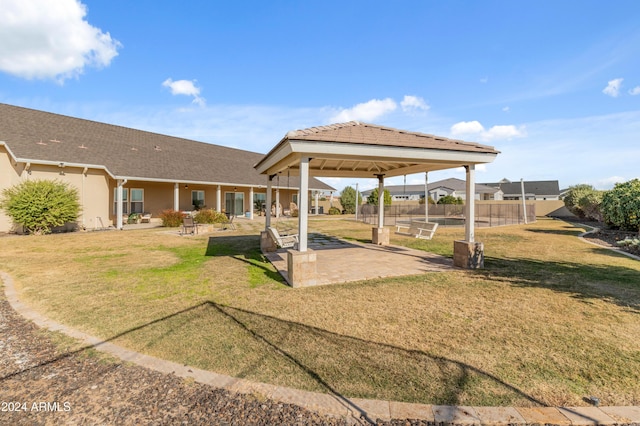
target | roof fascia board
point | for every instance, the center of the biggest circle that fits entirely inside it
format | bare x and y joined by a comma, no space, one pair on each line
274,157
196,182
388,153
56,163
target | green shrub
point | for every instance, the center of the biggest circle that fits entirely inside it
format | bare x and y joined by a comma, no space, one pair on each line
450,199
584,201
210,216
621,206
171,218
431,201
133,218
40,205
334,210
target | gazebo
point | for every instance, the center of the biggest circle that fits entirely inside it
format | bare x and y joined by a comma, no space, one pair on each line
362,150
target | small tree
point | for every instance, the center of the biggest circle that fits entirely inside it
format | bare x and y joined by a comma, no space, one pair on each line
348,199
621,206
373,197
40,205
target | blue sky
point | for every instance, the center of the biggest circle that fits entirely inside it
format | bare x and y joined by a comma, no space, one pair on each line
553,85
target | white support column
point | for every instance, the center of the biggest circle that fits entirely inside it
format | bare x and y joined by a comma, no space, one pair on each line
119,204
380,201
317,202
426,197
470,205
251,203
277,202
176,196
303,204
218,199
267,208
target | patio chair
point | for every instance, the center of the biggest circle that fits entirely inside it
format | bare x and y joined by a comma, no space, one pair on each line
284,241
417,229
230,224
145,218
189,226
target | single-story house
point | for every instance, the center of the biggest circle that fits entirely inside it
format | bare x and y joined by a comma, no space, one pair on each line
154,172
452,186
534,190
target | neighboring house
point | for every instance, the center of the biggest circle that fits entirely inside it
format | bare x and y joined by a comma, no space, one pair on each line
156,172
534,190
454,187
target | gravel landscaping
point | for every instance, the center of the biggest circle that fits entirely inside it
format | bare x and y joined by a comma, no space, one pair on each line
40,385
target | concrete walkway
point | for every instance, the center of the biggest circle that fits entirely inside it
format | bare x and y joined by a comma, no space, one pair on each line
351,408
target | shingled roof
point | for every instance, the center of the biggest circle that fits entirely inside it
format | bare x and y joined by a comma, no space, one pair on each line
38,136
357,132
356,149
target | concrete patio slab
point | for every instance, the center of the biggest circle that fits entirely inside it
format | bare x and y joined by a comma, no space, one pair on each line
341,261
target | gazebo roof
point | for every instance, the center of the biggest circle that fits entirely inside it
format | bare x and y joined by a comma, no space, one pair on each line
357,149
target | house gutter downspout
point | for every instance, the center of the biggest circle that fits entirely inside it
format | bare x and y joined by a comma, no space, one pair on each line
84,176
121,183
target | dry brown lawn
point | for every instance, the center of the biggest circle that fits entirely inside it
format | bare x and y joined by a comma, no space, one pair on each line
549,321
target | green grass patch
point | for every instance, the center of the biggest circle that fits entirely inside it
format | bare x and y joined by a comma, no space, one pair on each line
549,321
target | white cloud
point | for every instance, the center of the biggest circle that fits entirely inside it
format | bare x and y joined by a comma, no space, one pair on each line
635,91
43,39
473,129
506,109
467,128
613,88
413,103
609,183
367,111
185,87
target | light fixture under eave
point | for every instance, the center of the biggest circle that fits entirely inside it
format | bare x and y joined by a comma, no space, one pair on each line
186,186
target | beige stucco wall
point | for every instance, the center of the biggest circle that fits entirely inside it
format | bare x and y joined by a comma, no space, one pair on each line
543,207
9,176
92,188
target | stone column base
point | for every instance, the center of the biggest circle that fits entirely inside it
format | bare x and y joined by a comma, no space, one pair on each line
468,255
302,268
266,243
380,236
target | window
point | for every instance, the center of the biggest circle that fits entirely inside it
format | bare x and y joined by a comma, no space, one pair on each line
259,200
197,199
234,202
125,200
137,200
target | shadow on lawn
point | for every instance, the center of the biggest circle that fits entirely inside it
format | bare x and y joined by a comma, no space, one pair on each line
244,248
312,352
583,281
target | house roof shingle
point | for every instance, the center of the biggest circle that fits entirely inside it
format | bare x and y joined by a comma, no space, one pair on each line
356,149
364,133
42,136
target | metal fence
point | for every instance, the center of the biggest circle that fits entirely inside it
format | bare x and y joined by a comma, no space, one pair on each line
487,215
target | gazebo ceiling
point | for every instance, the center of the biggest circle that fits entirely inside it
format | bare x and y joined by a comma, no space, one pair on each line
357,149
